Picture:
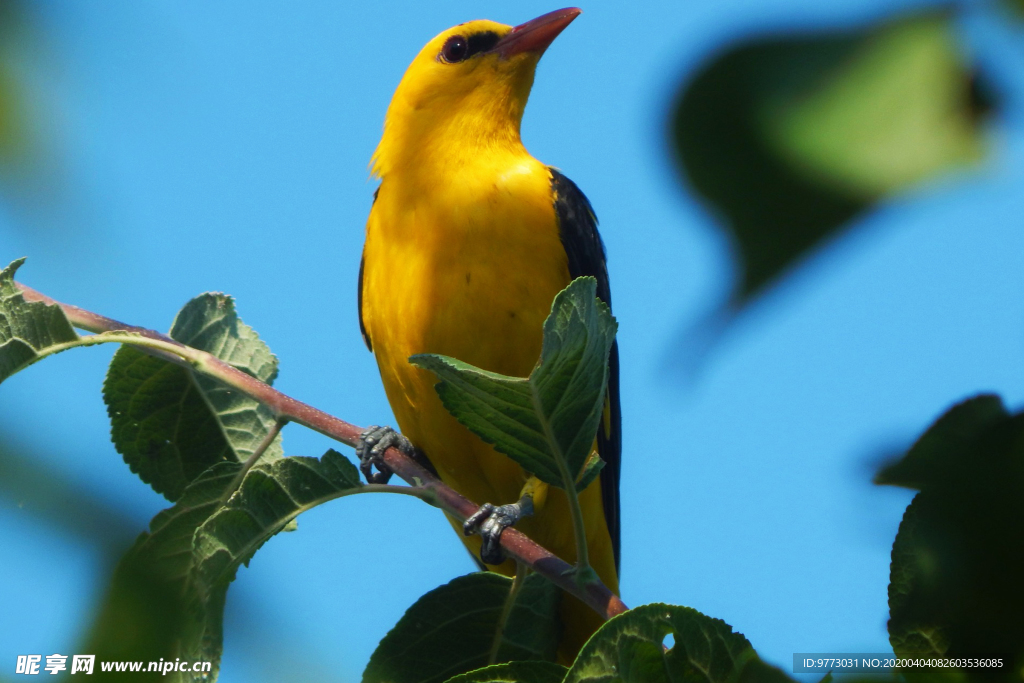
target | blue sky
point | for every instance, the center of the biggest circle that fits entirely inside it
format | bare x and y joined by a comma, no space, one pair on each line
189,147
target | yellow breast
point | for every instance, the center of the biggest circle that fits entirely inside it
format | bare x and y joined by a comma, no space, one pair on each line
466,267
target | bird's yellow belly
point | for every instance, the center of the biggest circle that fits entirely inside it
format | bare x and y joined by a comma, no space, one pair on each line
477,289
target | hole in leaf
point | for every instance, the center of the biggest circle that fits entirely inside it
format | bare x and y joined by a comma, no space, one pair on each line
670,641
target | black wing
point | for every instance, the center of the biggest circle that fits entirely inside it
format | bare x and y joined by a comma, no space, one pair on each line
577,226
362,327
359,291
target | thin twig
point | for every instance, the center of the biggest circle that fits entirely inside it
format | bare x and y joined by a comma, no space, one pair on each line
515,543
579,530
506,610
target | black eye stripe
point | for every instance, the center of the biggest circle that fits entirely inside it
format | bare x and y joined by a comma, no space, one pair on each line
481,42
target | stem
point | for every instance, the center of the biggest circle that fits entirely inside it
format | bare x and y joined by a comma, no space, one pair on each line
423,494
116,337
424,485
279,424
579,530
506,611
413,491
368,488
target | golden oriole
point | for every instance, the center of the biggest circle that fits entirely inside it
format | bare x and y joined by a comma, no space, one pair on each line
468,241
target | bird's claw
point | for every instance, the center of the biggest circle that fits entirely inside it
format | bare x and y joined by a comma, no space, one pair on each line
489,521
370,451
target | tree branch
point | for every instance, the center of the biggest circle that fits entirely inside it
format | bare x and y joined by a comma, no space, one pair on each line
515,543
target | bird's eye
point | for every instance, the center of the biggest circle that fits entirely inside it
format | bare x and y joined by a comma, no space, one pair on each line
455,49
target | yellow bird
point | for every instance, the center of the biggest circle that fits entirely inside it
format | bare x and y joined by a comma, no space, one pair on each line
468,242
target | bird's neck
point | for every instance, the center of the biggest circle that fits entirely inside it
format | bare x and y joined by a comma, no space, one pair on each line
442,143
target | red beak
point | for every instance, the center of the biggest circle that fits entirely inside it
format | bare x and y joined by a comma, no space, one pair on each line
536,34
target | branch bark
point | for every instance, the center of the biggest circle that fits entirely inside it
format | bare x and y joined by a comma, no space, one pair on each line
515,543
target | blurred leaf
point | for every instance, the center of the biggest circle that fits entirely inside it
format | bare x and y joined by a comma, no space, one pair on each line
28,330
629,648
790,138
1014,8
150,611
13,128
898,111
168,593
46,492
12,134
171,424
552,416
756,671
955,586
450,630
514,672
939,448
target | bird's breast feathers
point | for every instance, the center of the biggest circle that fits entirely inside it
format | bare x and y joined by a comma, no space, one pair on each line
463,257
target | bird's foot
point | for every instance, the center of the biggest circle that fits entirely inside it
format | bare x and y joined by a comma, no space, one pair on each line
489,521
370,451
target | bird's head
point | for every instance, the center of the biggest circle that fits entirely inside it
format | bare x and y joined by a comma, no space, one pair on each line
466,89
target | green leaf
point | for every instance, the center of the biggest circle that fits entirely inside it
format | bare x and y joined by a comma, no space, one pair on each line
955,587
629,648
514,672
168,594
171,424
28,330
553,415
450,630
789,138
909,568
